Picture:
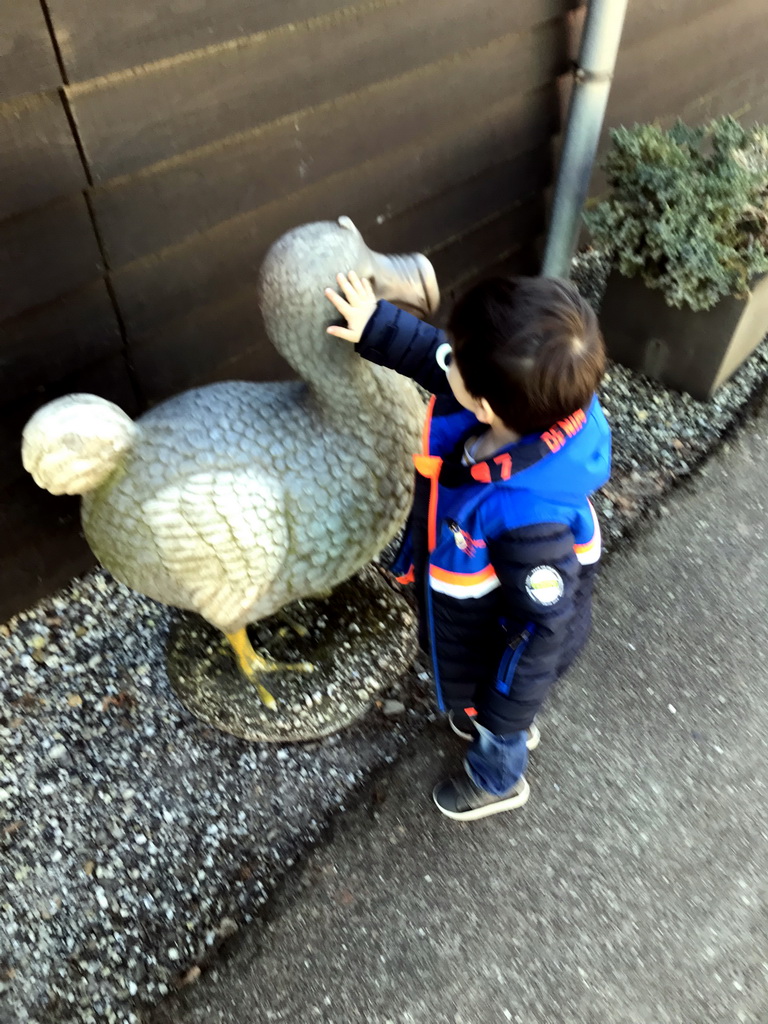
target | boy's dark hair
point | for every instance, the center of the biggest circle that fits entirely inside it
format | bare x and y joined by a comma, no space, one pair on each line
530,346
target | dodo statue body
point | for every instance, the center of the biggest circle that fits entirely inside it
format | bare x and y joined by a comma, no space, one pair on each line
235,499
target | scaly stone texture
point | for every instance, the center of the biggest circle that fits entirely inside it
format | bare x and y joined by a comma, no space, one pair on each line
235,499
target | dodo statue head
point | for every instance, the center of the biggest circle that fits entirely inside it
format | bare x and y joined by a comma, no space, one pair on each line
306,260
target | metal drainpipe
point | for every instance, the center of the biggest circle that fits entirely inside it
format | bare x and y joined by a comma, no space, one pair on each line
592,86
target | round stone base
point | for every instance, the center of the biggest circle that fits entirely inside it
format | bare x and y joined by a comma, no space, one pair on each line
360,639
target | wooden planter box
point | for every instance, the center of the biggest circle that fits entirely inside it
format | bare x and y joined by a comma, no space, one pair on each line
687,350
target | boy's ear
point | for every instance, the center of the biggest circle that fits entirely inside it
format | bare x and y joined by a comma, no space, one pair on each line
483,411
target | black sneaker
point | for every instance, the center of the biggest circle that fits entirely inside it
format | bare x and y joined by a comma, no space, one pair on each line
461,723
459,798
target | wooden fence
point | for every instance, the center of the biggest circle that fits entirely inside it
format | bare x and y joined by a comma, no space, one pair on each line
152,150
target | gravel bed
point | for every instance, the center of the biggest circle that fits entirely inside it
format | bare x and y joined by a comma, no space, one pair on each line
135,839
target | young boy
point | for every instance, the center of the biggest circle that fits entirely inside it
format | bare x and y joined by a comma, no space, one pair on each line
502,542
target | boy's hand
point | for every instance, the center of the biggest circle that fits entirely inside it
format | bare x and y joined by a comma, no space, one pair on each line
357,306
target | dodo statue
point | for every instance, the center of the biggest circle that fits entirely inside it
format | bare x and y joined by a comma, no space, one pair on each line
237,498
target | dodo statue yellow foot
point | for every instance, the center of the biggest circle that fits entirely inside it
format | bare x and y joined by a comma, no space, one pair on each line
251,664
235,499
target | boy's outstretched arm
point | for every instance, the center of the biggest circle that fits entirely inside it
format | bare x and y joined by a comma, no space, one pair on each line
389,336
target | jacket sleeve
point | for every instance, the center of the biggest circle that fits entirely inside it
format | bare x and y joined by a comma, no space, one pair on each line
402,342
539,575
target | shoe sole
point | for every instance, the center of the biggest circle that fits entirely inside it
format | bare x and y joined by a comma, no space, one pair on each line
531,743
510,804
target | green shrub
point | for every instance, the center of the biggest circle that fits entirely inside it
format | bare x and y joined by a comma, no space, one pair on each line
687,209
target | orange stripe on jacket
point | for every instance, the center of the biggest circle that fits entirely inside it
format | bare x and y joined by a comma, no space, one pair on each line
429,466
578,548
463,586
590,552
462,579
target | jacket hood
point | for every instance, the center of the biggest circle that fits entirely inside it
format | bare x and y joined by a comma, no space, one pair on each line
576,460
568,461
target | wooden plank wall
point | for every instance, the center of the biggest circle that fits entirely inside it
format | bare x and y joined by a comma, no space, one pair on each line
58,328
152,150
693,59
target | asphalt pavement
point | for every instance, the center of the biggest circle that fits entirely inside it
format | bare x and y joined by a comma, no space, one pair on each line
632,888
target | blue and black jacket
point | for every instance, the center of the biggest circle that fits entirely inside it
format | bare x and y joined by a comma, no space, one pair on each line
504,552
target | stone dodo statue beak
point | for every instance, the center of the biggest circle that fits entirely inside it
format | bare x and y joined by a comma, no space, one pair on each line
408,280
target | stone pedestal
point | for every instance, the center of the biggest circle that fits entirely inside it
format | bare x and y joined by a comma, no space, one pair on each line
360,640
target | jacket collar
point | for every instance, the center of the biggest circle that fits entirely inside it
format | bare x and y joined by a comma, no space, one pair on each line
514,459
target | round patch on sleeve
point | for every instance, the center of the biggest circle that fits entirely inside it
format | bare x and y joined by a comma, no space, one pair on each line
544,585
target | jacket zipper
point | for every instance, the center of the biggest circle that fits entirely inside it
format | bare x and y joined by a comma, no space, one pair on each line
511,658
432,644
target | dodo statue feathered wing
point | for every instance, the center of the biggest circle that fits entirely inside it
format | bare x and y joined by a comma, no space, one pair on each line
234,499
